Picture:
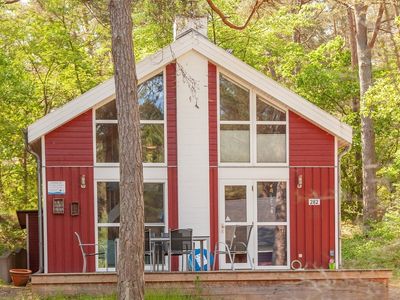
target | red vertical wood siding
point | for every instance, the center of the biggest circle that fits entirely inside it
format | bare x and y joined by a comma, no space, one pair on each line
312,228
309,144
69,155
213,151
172,150
72,143
33,241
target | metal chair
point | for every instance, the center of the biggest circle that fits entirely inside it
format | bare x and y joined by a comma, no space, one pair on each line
234,247
84,253
181,243
149,247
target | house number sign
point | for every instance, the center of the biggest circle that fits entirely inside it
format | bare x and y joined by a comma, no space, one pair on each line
56,187
314,202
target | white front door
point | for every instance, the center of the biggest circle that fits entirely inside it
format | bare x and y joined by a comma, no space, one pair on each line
263,204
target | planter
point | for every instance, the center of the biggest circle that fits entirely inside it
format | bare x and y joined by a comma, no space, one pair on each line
20,277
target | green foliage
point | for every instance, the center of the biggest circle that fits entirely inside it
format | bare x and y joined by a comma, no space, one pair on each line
380,248
11,237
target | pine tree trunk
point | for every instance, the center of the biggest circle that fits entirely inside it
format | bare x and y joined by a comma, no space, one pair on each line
131,235
355,193
367,125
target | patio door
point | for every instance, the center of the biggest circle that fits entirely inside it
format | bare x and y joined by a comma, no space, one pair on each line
236,215
262,204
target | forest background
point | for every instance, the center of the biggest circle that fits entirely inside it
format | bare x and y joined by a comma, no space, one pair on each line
54,50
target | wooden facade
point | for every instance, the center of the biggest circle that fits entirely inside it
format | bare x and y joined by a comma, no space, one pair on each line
192,173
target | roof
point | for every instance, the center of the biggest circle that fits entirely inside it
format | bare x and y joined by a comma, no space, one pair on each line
21,214
193,40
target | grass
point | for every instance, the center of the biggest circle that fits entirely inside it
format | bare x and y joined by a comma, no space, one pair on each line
22,294
150,295
378,249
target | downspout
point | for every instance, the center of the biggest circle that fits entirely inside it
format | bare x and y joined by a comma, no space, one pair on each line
340,155
39,195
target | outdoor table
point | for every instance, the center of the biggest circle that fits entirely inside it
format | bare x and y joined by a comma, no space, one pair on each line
160,241
202,239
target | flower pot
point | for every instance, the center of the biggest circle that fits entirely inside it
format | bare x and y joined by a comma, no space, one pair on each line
20,277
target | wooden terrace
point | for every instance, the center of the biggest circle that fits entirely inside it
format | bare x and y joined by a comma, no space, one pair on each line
222,284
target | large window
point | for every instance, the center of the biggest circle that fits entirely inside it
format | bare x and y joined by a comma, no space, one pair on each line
152,120
234,122
271,133
241,122
108,212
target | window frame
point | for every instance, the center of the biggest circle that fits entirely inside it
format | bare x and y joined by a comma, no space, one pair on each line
274,223
163,122
99,225
253,93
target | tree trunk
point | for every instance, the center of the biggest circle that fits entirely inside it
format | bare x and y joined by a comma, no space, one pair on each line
25,175
367,125
280,231
355,194
131,235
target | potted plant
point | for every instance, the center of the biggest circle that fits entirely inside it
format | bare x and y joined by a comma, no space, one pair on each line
20,277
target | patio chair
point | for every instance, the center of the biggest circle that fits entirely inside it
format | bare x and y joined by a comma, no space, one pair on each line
149,247
84,253
234,247
181,243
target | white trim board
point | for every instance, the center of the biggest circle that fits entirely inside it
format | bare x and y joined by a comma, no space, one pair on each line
194,41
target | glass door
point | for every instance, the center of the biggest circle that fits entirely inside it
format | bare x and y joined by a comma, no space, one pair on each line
235,220
263,205
271,225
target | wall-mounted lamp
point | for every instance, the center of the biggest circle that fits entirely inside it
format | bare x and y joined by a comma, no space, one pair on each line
83,181
300,181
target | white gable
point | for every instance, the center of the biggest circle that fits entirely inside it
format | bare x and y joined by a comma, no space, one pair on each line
194,41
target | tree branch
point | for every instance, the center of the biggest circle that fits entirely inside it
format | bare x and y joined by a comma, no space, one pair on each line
10,1
344,3
377,26
224,18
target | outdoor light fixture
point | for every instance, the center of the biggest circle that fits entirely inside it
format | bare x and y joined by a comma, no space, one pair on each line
83,181
300,181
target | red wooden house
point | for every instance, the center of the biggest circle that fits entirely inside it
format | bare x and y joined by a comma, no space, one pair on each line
224,147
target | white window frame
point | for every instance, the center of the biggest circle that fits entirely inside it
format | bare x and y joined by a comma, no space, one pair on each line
164,122
98,225
256,224
253,93
252,217
255,123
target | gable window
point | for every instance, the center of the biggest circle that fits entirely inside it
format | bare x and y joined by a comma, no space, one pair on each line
234,122
241,122
152,124
271,133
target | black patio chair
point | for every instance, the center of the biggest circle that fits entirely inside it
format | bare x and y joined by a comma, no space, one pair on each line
234,247
181,243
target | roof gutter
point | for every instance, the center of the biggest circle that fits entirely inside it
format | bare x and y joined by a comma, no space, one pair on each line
39,195
340,156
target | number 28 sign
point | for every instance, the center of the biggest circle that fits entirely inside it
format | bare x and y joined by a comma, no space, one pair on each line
314,201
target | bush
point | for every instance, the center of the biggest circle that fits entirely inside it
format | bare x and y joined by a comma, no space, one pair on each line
11,235
378,248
